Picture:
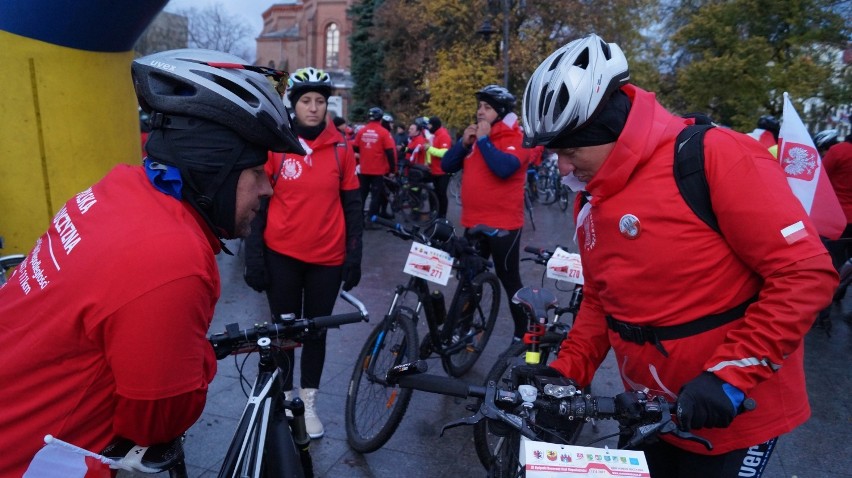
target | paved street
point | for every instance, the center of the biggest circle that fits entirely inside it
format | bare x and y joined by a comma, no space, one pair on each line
814,450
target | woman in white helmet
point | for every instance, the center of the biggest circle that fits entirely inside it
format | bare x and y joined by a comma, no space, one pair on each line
313,229
701,317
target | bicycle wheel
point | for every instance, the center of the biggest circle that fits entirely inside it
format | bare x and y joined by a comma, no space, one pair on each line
374,410
564,197
470,322
8,265
496,444
420,206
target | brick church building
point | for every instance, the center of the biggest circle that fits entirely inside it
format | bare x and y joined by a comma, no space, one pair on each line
300,33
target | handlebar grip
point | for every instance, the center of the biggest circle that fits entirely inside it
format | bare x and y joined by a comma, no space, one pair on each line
535,250
440,385
331,321
384,222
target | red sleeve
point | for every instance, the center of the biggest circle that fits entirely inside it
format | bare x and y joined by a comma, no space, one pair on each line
587,343
161,360
387,140
148,422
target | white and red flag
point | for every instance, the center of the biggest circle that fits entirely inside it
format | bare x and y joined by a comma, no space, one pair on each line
806,176
59,459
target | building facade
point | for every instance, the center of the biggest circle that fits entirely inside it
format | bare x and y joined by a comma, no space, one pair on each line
302,33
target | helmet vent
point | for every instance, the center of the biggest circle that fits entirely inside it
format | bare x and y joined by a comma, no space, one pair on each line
605,49
582,60
555,62
544,103
229,85
561,100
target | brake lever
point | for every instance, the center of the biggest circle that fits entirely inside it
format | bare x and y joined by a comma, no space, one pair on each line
665,426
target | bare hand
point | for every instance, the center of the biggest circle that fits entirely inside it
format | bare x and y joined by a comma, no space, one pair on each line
483,128
469,136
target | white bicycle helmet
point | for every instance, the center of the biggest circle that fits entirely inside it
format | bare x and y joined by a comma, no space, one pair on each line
567,89
217,87
825,139
309,79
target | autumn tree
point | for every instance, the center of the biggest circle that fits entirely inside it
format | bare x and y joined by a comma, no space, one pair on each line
741,55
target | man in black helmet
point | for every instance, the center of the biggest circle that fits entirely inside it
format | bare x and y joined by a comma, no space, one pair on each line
114,301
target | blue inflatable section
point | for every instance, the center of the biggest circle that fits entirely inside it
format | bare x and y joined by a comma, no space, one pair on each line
89,25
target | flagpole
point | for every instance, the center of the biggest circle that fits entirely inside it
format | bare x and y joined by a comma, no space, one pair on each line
48,439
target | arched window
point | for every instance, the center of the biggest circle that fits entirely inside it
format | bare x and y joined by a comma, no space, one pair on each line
332,46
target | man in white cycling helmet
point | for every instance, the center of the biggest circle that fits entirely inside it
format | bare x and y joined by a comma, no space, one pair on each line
706,319
104,326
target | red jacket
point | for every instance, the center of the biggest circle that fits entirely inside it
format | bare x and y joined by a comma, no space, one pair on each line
415,152
488,199
441,142
677,269
104,326
838,167
372,140
305,218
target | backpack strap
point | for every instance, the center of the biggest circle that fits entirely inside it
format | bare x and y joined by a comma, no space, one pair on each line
689,172
337,158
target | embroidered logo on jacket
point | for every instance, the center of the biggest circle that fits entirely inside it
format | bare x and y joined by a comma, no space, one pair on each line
291,169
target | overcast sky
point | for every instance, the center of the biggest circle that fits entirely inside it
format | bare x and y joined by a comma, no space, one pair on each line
249,11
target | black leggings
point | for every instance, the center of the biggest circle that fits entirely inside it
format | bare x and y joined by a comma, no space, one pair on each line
373,185
307,290
668,461
505,253
442,183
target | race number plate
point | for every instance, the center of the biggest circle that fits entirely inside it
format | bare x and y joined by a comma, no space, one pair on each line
429,263
565,266
549,460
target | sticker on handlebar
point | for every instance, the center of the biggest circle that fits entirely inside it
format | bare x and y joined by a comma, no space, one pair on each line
429,263
544,459
565,266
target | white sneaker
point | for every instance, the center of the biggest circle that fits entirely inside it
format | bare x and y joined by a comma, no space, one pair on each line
288,395
313,425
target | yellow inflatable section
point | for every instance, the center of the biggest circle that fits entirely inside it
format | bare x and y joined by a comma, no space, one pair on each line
68,115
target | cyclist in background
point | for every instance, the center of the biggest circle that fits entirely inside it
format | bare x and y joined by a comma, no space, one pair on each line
767,133
375,147
307,257
104,327
437,147
415,151
700,317
838,167
495,168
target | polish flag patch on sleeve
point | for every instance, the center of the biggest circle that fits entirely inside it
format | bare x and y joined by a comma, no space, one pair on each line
794,232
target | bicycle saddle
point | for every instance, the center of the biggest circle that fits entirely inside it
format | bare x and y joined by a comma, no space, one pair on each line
535,300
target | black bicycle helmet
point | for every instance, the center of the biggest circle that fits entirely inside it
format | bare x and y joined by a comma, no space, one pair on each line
183,83
375,113
422,122
308,79
825,139
769,123
498,97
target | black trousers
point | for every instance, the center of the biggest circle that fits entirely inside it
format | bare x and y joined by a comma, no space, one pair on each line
669,461
505,253
372,185
307,290
442,184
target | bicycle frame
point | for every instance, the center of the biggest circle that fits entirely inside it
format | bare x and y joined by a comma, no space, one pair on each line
263,425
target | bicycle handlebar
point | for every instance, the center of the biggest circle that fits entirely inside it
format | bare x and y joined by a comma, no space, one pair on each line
234,338
639,415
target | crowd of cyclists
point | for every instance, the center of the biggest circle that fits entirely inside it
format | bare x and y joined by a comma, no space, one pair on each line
730,308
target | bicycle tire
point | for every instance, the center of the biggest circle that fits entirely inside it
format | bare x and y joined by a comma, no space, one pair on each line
419,206
498,450
474,325
529,207
8,265
373,410
564,197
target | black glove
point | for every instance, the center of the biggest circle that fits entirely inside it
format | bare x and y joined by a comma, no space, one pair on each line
351,275
707,402
256,277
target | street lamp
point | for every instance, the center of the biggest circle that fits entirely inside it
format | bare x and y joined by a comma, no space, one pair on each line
486,30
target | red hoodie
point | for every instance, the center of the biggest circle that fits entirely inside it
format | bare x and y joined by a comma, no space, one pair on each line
674,269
